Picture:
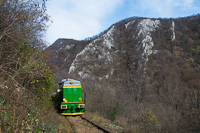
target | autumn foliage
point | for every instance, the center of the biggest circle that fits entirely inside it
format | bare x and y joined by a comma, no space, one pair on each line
26,81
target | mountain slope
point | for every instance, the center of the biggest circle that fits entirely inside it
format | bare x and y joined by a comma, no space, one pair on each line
102,51
143,67
62,53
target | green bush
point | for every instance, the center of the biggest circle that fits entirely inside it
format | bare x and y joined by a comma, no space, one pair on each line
115,112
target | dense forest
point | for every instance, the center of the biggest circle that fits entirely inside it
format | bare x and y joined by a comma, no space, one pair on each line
155,93
26,82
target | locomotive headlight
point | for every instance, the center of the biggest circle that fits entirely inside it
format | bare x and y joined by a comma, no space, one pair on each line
64,100
72,81
81,106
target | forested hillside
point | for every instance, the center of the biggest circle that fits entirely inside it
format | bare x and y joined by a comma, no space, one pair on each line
26,82
141,73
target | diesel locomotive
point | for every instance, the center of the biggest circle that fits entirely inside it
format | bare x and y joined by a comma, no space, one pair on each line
69,97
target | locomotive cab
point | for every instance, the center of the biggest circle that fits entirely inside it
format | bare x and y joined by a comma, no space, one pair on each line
69,99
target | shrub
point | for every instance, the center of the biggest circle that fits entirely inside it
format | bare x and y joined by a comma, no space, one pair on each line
148,122
115,112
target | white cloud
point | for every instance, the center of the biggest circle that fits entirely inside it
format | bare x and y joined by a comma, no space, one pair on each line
78,19
188,3
166,8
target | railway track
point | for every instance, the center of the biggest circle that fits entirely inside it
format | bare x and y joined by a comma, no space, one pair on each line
80,125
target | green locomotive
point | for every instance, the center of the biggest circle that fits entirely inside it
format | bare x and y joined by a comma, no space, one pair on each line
69,98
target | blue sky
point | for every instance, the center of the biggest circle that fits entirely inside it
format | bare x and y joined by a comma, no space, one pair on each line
79,19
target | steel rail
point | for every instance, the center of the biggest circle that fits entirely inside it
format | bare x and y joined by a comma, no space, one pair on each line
101,128
71,125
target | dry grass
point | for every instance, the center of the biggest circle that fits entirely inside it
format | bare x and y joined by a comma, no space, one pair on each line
115,126
60,122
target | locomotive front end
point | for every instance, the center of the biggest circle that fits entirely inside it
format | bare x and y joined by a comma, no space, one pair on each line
70,98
